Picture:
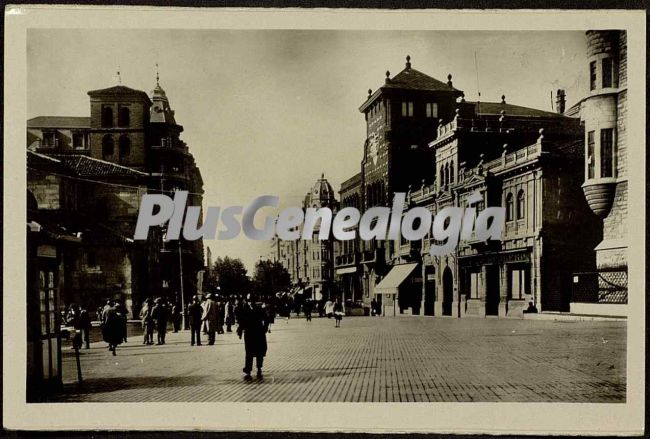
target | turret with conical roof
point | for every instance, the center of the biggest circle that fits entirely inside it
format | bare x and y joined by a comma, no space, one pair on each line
161,111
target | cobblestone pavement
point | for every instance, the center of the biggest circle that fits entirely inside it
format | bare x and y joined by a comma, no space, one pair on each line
369,359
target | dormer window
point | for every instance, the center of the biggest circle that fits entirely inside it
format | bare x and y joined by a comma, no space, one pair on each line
49,139
79,140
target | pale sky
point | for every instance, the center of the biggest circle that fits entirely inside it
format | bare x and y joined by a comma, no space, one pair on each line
266,112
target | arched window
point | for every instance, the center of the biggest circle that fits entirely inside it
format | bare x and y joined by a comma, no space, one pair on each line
107,117
442,176
521,204
509,207
108,147
125,147
446,174
451,172
124,117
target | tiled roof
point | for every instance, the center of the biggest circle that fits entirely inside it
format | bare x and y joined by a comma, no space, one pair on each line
58,122
412,79
43,161
494,108
119,90
85,166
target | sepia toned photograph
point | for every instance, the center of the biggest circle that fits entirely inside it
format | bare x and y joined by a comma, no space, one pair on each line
150,276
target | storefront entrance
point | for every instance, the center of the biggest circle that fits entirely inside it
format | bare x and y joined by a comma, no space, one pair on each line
447,291
492,290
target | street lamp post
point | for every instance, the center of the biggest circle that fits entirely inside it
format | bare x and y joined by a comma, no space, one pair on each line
180,261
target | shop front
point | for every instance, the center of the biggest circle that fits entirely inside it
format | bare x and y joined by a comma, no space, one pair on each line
400,291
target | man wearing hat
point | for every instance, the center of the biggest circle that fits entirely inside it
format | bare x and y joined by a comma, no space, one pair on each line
210,317
253,326
195,312
160,315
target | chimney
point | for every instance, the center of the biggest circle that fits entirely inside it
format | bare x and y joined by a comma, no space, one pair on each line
560,101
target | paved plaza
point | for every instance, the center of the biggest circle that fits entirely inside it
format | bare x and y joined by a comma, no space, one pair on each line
369,359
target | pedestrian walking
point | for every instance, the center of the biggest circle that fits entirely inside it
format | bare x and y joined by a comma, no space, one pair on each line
160,315
338,312
112,327
221,315
307,309
253,327
270,311
177,318
210,318
147,321
84,326
195,312
329,309
230,314
123,313
204,304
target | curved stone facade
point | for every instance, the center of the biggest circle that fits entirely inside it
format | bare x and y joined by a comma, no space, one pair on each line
604,112
600,196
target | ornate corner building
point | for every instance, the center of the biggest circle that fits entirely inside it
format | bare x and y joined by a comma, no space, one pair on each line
310,262
425,139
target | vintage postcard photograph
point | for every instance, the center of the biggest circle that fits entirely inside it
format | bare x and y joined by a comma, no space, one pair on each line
328,221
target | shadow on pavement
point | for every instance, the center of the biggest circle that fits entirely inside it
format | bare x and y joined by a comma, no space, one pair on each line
101,385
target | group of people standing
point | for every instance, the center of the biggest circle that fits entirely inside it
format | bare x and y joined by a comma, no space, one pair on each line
79,318
334,309
155,316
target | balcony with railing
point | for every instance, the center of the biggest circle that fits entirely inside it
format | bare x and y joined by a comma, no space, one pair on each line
521,156
347,259
423,193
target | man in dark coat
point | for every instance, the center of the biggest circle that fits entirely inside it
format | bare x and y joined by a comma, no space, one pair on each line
195,311
307,309
221,315
123,312
253,326
160,314
177,317
112,327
